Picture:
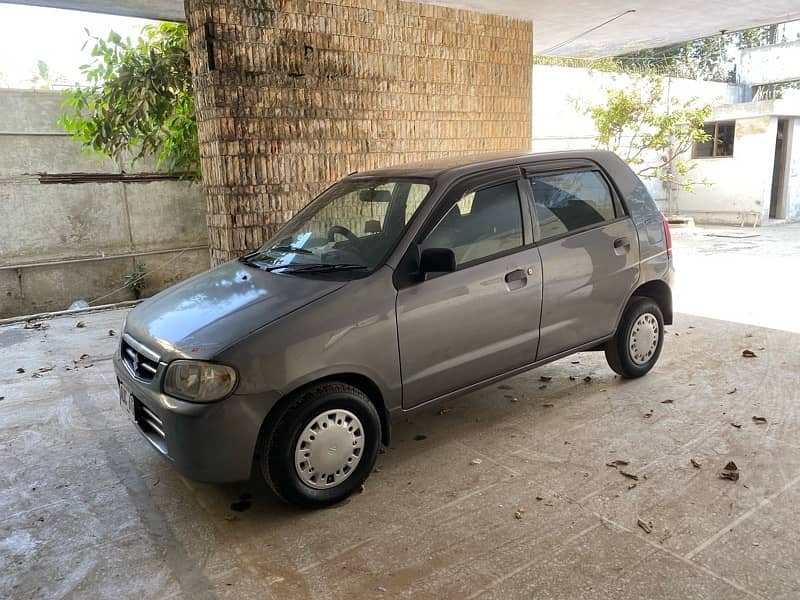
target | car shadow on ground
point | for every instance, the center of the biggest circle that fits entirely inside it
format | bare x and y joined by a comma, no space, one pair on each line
447,428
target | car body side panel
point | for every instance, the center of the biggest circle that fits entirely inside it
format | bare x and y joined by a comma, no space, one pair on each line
655,264
586,280
469,325
352,330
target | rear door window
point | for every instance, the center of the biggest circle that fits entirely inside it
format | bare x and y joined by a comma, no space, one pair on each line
565,202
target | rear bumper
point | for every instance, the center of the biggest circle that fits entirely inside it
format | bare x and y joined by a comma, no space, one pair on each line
212,442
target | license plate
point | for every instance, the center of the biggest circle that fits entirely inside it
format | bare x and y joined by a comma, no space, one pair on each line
126,402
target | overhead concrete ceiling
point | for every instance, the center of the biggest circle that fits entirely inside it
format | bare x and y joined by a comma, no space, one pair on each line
160,10
654,24
563,28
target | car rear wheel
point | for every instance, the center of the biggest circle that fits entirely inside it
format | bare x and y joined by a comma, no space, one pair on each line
322,445
636,346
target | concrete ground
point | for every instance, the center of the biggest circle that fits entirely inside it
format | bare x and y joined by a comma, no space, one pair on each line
87,508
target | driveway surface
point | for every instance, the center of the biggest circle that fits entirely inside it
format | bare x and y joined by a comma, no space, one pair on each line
503,493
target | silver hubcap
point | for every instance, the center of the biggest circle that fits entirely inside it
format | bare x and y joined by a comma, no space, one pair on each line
329,449
644,338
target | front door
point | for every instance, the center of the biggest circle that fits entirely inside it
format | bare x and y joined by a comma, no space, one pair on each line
590,257
460,328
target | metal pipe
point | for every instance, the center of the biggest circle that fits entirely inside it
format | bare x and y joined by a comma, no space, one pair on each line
35,133
74,311
68,261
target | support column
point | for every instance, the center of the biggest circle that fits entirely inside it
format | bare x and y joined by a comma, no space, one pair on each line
294,94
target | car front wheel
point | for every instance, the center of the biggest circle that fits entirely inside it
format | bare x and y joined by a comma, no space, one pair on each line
322,445
636,346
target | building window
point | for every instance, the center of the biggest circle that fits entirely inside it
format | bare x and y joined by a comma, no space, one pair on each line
721,142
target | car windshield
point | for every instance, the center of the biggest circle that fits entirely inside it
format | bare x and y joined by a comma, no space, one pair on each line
351,227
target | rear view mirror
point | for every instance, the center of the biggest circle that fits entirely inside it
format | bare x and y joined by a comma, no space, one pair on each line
437,260
371,195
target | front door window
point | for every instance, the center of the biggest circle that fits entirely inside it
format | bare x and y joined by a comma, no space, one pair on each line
481,224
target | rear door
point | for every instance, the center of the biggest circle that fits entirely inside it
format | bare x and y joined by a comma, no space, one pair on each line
589,250
460,328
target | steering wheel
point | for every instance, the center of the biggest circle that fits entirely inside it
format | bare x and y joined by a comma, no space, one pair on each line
342,230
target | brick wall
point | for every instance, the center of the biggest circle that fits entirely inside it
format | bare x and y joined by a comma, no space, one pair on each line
294,94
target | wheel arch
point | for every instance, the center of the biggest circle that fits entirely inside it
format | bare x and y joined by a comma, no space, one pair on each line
357,380
660,293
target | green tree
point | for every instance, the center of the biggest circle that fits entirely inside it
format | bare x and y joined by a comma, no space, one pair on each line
138,100
652,135
760,36
43,79
705,58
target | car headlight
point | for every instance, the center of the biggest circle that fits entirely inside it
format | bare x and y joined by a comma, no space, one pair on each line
199,381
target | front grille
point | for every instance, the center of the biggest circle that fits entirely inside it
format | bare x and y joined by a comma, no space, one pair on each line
142,362
151,425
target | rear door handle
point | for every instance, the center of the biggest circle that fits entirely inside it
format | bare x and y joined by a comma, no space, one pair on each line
622,245
516,279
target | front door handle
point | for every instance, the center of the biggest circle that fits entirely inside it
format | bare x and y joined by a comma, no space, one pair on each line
516,279
622,246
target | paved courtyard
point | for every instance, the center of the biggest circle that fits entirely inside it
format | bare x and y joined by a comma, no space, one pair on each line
87,508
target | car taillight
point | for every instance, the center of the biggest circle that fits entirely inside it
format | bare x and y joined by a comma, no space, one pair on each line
667,236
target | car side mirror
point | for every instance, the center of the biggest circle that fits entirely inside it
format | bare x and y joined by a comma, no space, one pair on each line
437,260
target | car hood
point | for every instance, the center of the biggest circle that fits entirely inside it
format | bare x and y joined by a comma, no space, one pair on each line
207,313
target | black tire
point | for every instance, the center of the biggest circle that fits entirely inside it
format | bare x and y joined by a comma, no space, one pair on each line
618,352
276,454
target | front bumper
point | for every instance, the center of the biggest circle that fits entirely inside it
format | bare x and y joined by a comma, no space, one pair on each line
212,442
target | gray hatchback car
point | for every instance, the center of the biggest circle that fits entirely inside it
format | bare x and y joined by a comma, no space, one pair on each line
391,290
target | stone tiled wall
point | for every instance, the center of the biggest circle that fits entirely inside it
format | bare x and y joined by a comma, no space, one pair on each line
293,94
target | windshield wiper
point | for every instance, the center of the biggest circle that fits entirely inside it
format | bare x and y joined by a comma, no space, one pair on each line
322,268
256,257
290,248
250,259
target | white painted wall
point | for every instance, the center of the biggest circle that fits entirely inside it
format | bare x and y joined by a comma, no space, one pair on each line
742,183
770,64
559,125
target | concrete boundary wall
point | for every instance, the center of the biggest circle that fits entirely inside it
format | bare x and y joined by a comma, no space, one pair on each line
777,63
72,227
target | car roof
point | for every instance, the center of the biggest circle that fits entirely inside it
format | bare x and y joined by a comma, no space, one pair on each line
464,165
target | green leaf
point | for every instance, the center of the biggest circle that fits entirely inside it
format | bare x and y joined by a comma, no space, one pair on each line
635,123
139,101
